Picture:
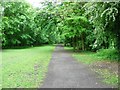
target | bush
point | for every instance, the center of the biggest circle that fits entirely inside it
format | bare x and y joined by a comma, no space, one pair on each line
111,54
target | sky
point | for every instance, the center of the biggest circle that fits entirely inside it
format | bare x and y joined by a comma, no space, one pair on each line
35,3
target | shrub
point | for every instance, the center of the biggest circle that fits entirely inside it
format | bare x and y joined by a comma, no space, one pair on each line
111,54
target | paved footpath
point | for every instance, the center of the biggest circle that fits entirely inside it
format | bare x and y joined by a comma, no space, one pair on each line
65,72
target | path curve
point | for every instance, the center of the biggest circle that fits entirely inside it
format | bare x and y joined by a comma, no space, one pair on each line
65,72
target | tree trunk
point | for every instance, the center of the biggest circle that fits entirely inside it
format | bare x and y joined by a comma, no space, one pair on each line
82,40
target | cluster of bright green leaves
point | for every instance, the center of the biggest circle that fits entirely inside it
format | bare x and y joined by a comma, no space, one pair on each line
23,25
16,29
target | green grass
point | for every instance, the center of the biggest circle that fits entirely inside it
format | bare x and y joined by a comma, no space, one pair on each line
0,70
85,57
25,68
90,58
108,77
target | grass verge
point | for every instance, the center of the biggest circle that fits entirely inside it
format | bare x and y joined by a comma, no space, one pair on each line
106,69
25,68
0,70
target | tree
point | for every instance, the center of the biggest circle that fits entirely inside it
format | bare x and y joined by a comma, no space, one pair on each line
105,18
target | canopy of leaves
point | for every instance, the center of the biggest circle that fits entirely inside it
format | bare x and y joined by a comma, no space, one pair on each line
82,25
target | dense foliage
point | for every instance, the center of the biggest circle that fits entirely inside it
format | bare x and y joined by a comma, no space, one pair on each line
81,25
23,25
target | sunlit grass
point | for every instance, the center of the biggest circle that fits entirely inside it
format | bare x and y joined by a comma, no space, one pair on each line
85,57
25,68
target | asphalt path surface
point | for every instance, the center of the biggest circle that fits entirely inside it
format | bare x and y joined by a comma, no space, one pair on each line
65,72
